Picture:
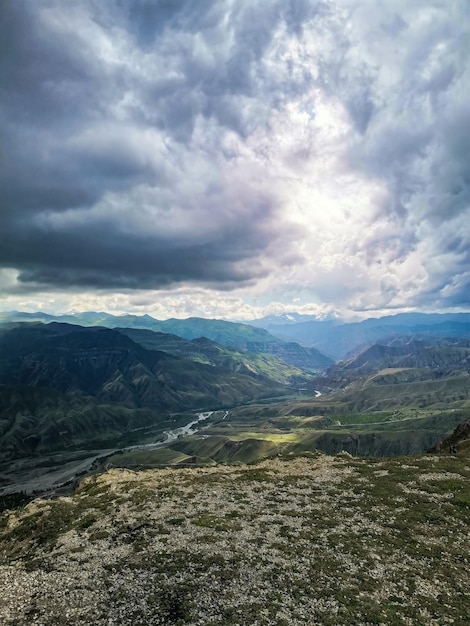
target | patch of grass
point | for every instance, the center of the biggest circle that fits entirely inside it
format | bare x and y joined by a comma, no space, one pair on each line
91,489
276,438
369,418
41,528
140,496
256,474
87,521
176,521
215,522
98,535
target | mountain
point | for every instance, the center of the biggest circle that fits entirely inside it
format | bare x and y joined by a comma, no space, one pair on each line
414,354
281,319
337,340
59,378
203,350
110,366
36,420
91,318
240,337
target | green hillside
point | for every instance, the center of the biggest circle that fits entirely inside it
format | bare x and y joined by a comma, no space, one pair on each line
63,385
110,366
203,350
240,337
37,421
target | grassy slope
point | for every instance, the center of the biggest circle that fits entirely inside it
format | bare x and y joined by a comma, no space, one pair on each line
280,436
394,412
203,350
311,540
35,421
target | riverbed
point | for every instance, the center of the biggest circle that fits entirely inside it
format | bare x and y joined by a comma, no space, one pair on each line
51,472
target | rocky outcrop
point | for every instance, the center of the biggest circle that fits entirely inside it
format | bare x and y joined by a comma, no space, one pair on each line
459,437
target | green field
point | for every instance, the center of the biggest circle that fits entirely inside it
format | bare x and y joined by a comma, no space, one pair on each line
376,416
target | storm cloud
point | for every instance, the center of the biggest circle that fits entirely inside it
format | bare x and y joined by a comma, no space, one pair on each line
279,150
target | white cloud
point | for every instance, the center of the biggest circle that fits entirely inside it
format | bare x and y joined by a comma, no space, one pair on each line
238,158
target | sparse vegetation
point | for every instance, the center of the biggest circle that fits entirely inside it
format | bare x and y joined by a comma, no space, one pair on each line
303,540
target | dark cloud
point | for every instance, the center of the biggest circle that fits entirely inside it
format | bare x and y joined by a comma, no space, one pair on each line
83,90
102,257
145,143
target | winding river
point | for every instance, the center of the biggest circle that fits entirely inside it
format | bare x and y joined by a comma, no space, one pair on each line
177,433
30,479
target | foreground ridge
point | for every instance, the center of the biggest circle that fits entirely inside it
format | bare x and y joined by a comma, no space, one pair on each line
311,540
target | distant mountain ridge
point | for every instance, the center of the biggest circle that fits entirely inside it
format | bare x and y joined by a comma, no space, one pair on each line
291,317
415,354
318,342
241,337
337,339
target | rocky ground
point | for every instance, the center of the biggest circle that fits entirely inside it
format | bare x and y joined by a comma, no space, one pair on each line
306,540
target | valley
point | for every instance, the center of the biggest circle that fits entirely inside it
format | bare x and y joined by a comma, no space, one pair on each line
75,400
60,472
151,478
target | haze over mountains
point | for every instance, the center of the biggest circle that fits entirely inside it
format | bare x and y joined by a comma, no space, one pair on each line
330,337
447,355
337,339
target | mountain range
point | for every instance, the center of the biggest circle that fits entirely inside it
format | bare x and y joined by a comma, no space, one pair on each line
99,376
298,340
444,355
240,337
65,385
340,340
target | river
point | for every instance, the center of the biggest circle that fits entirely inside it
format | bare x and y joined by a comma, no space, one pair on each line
177,433
30,478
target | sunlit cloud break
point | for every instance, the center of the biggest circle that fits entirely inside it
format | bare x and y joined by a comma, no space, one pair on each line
233,159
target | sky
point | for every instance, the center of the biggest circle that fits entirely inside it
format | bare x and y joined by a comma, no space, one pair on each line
235,158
